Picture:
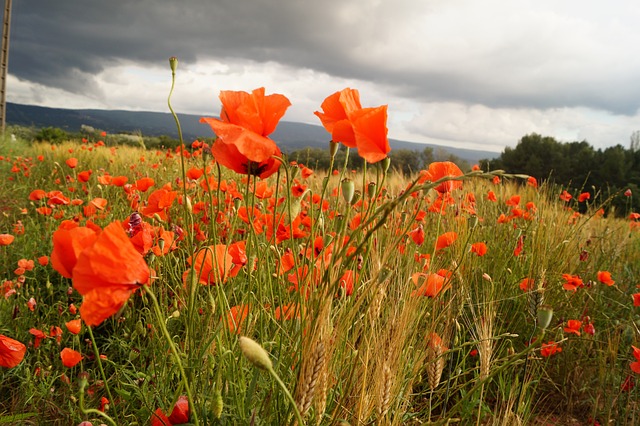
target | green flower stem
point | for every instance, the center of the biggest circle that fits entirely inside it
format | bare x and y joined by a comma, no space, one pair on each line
287,393
83,383
174,351
102,373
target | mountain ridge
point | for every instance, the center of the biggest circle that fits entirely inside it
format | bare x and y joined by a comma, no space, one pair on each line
289,135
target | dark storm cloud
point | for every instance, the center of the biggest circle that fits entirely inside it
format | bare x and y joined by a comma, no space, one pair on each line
429,51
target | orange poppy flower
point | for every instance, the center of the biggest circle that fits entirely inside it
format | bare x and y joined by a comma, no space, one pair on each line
143,184
204,262
636,299
479,248
335,116
6,239
99,275
354,126
236,317
159,202
635,366
446,239
245,122
430,284
584,197
605,278
573,327
74,326
70,358
11,352
39,335
72,162
550,348
572,282
439,170
68,242
565,196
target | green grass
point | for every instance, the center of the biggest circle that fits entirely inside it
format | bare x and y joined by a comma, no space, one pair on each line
364,358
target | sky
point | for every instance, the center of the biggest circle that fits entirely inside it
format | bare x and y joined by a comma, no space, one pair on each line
461,73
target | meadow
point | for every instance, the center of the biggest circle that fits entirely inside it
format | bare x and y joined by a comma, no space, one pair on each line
225,284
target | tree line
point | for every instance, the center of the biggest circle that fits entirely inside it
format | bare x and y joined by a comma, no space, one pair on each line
578,167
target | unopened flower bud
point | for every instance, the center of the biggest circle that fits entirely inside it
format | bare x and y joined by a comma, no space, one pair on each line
255,353
173,63
544,315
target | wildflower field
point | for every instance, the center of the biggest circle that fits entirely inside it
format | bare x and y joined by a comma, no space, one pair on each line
226,284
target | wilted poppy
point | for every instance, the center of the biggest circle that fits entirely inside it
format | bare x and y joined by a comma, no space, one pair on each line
39,335
106,274
11,352
70,358
245,122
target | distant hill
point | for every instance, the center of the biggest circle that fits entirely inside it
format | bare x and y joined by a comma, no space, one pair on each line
289,135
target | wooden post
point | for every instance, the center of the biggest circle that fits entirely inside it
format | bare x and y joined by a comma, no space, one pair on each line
4,64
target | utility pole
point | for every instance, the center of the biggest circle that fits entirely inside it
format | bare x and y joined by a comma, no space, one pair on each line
4,64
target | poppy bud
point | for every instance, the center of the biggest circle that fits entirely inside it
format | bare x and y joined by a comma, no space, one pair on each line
544,315
333,148
472,221
487,277
348,189
385,164
294,171
173,63
356,197
371,189
255,353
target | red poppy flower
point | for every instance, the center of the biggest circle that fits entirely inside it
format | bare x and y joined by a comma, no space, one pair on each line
68,242
354,126
479,248
584,197
6,239
565,196
430,284
143,184
635,366
573,327
11,352
636,299
245,122
106,274
605,278
417,235
446,239
70,358
531,181
39,335
236,317
550,348
527,284
572,282
74,326
439,170
179,414
72,162
204,262
335,116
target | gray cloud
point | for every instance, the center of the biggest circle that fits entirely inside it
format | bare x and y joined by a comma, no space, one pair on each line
522,55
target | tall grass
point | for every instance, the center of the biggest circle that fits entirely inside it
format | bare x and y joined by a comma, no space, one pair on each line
331,287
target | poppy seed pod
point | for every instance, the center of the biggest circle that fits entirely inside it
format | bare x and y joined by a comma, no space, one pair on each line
348,190
255,353
544,315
